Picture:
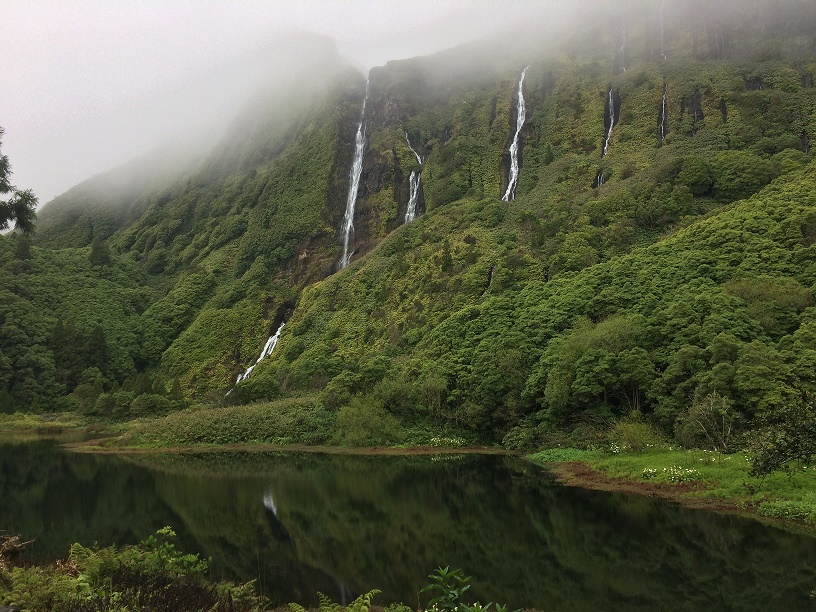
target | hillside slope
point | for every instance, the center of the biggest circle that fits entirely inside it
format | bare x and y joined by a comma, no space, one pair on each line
658,249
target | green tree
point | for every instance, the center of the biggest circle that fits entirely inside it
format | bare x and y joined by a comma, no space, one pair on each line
784,439
100,252
15,205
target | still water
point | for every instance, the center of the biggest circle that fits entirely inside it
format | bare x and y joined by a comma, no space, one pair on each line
302,523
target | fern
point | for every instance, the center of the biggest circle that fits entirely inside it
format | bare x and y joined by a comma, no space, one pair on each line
363,602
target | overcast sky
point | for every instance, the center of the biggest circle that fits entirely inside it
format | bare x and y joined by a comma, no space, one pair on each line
82,82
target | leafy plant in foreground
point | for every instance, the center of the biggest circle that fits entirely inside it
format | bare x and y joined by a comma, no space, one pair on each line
451,584
361,604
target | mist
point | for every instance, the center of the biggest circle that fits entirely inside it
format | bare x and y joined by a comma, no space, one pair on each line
89,86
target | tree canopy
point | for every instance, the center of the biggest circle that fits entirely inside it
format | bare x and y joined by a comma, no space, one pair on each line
16,205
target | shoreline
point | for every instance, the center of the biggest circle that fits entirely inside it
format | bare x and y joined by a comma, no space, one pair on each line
92,447
583,475
587,474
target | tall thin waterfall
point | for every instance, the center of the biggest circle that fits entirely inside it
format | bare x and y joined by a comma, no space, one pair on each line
623,50
413,182
664,115
611,117
521,113
410,213
419,159
662,33
267,350
354,185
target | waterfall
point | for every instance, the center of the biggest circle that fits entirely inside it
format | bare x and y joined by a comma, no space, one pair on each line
599,179
611,118
267,350
419,159
354,184
662,33
413,181
410,213
623,44
521,112
664,114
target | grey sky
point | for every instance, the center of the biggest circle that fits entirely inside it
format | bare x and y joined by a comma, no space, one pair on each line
84,84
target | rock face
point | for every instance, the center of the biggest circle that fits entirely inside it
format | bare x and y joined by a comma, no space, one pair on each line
692,106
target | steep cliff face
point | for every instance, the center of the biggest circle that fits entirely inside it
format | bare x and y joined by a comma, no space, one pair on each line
474,312
252,236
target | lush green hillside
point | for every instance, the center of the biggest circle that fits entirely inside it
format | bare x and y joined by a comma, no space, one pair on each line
686,275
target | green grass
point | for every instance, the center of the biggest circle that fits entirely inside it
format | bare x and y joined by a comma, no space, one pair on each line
721,477
559,455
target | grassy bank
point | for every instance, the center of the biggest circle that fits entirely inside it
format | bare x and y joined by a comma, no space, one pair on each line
45,423
697,478
293,422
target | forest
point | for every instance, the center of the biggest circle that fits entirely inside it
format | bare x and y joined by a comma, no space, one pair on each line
657,261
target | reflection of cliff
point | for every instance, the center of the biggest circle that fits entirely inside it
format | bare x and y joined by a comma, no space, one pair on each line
58,498
388,522
355,523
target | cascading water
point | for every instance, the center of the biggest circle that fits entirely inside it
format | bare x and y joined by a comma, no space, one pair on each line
354,185
662,34
622,50
419,159
611,117
267,350
599,179
413,183
664,115
410,213
521,113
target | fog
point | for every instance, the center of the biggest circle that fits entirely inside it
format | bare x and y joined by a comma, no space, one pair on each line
87,86
90,85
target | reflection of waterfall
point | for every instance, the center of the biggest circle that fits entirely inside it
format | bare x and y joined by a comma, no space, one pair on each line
521,113
611,118
345,594
267,350
269,501
664,115
410,213
354,184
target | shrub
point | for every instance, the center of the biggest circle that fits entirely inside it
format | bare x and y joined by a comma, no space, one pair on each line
292,421
633,434
364,422
152,575
710,421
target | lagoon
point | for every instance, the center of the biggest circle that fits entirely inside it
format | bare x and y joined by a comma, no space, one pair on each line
299,523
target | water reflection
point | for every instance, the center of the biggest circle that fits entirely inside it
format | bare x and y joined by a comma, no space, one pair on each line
344,525
269,501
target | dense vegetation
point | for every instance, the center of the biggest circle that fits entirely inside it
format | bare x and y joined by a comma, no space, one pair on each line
153,575
679,287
